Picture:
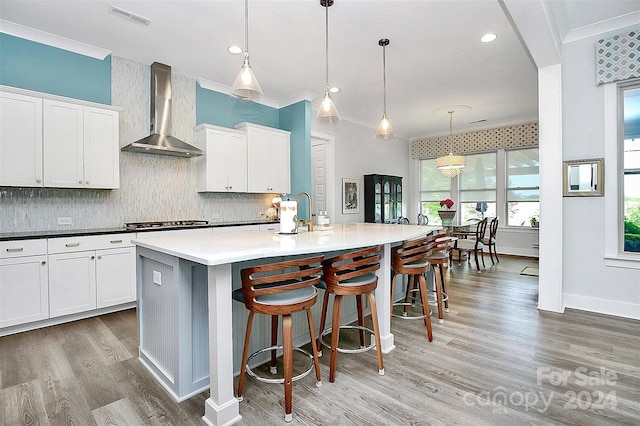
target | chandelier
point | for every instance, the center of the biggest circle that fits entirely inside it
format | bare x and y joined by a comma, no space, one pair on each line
451,165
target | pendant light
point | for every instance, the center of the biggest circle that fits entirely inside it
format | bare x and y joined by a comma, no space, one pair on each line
328,113
385,129
246,87
451,165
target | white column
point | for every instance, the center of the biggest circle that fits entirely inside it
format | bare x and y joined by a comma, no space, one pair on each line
551,229
221,408
383,301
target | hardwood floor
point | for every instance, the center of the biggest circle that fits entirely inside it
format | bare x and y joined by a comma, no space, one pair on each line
496,360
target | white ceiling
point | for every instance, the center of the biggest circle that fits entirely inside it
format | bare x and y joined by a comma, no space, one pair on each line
435,57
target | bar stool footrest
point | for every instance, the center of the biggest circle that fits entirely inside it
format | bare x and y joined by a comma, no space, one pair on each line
279,380
349,351
409,317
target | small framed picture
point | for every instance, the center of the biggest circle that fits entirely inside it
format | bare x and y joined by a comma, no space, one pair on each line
350,196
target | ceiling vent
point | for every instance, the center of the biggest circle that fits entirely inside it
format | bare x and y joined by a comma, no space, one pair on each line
138,19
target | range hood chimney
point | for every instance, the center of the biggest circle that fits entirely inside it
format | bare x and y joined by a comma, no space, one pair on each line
160,140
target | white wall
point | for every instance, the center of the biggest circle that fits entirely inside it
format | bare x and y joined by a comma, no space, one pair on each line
358,153
588,282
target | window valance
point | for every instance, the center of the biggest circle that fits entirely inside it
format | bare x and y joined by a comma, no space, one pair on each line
618,58
519,136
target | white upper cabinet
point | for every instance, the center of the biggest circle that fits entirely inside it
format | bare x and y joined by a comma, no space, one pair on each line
101,148
81,146
267,159
63,144
20,140
57,142
223,168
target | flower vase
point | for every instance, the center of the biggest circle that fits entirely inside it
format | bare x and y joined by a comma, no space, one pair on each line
447,217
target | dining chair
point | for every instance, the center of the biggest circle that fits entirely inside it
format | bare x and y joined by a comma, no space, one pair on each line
403,220
350,274
280,289
490,241
473,243
410,258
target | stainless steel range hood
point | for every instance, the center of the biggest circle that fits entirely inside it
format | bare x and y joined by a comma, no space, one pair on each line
160,140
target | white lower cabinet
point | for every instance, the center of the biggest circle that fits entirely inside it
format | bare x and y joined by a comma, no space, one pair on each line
72,283
86,273
115,276
24,289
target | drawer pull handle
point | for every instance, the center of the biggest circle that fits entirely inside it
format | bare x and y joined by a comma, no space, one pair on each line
72,244
15,250
116,241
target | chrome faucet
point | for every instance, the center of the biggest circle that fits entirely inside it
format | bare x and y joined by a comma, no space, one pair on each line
309,222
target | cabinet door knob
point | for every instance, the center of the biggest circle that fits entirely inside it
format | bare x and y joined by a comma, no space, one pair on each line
93,257
38,180
87,182
99,257
44,262
80,182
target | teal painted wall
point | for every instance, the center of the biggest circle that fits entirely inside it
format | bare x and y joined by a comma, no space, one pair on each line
35,66
296,118
223,110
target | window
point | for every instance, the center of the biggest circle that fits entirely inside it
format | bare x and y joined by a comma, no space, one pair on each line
631,168
523,187
510,178
477,187
433,188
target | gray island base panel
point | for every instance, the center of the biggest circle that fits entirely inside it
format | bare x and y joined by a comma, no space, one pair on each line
186,315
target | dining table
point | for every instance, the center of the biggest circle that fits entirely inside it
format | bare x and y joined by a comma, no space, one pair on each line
179,276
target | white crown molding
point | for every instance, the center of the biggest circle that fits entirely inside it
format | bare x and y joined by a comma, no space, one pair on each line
613,24
223,88
302,96
53,40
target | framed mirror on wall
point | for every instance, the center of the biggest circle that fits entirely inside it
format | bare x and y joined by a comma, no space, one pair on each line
583,178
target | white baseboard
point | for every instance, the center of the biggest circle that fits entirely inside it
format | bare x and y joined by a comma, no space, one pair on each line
602,306
518,251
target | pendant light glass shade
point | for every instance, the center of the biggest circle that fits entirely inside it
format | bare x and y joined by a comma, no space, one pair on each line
451,165
385,129
328,113
246,86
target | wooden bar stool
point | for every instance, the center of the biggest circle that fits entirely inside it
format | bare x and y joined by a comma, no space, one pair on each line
350,274
276,289
438,258
410,258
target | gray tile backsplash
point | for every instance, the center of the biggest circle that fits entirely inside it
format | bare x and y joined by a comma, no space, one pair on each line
152,187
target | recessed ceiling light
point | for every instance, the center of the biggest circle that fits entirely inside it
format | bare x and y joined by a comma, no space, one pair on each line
488,38
334,89
235,49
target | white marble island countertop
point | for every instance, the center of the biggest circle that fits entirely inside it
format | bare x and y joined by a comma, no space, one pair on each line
222,248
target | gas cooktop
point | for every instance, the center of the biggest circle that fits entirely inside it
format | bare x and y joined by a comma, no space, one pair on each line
167,224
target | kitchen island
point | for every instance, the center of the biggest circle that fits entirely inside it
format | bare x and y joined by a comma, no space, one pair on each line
175,274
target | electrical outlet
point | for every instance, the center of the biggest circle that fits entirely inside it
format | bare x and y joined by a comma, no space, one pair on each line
65,221
157,278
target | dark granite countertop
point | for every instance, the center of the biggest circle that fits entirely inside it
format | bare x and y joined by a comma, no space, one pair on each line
33,235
